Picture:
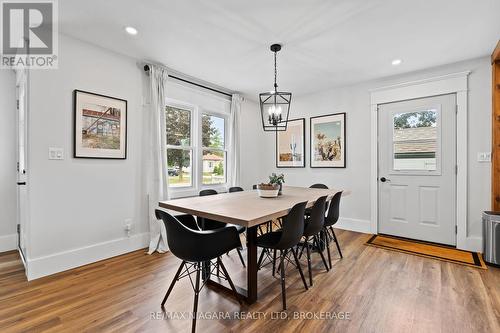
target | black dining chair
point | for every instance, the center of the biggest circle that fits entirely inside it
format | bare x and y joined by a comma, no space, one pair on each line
285,241
313,227
322,186
319,186
209,224
235,189
194,248
331,218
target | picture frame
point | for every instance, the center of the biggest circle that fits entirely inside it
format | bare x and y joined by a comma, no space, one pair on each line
291,146
99,126
328,141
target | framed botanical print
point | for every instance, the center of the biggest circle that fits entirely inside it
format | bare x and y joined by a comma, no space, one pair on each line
290,145
328,141
100,126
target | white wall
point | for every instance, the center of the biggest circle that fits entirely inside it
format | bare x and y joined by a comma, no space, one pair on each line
8,236
355,101
253,146
78,207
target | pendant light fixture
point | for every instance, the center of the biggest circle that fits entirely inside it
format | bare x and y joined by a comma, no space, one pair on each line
275,105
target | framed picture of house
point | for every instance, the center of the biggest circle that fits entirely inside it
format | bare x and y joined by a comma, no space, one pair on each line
100,126
328,141
290,145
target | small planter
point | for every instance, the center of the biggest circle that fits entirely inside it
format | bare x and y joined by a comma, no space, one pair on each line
268,190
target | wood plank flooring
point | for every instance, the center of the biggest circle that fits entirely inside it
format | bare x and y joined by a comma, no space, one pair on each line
383,291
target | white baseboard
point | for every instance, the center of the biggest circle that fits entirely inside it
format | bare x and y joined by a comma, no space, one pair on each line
58,262
8,242
357,225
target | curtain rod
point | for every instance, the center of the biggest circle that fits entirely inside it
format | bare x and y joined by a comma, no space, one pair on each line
146,69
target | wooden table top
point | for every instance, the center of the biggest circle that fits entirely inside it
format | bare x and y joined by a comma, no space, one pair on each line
246,208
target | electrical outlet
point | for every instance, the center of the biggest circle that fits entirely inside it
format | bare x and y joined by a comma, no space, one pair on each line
484,157
128,226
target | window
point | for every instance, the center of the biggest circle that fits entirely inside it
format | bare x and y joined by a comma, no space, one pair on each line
179,149
213,153
415,140
196,148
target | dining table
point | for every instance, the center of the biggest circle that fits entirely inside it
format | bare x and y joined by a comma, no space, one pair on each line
247,209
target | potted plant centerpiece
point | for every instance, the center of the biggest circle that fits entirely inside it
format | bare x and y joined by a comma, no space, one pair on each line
277,179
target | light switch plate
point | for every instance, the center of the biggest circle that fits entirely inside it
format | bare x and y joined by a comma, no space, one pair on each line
56,153
484,157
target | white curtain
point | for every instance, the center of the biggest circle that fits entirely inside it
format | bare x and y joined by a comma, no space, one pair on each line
157,159
234,140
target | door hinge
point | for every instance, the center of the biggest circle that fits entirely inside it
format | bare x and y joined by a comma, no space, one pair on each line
18,228
17,104
456,229
456,169
456,108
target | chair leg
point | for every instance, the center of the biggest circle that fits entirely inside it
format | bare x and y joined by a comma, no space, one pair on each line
302,250
173,283
241,257
274,261
224,270
196,293
282,269
259,262
336,242
316,240
309,262
328,248
260,230
300,268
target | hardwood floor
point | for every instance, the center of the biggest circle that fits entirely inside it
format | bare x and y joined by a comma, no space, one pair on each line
383,291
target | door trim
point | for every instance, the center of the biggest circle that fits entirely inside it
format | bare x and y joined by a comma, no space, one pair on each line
456,83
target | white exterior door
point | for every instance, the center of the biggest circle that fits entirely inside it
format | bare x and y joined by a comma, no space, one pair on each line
417,169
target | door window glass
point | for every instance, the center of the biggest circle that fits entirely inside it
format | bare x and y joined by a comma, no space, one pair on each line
415,140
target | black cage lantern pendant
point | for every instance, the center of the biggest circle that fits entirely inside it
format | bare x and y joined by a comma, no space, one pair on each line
275,105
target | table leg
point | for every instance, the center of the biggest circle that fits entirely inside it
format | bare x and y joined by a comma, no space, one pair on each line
250,294
252,265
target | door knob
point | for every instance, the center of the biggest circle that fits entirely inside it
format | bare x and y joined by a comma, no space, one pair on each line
383,180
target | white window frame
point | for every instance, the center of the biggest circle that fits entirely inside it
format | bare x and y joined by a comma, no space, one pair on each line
197,150
417,172
222,186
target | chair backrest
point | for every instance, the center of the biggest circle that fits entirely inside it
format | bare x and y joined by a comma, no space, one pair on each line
293,227
208,224
235,189
317,219
187,220
207,192
323,186
181,240
197,246
333,211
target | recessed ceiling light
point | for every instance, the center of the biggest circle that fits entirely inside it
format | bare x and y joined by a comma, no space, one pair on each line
131,31
396,62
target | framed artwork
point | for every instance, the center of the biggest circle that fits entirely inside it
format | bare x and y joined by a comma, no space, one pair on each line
100,126
328,141
290,145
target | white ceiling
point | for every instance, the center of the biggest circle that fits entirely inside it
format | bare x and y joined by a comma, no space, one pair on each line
326,43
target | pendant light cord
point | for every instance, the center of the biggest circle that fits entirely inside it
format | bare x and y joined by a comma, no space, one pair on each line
275,72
